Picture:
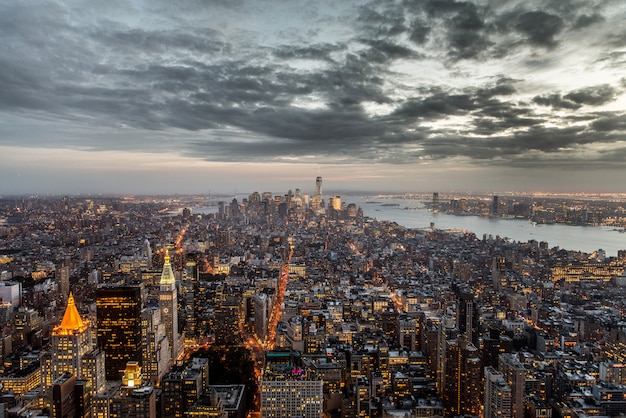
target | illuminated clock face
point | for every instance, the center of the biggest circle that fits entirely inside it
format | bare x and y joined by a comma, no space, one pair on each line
166,310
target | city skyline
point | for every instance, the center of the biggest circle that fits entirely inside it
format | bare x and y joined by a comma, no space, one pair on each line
398,96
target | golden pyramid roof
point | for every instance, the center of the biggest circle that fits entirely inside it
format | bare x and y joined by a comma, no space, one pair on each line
71,319
167,275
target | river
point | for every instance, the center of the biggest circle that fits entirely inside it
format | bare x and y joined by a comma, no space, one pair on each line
411,214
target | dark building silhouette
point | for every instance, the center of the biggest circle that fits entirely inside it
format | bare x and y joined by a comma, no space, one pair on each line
119,327
467,316
463,388
64,397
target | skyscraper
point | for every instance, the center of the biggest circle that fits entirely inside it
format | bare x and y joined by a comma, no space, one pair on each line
73,352
514,374
291,398
462,392
63,397
71,340
467,314
134,398
168,302
147,252
334,204
316,201
497,395
156,347
182,387
62,274
261,315
119,327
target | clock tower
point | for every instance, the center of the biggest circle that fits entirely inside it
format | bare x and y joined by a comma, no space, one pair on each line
168,302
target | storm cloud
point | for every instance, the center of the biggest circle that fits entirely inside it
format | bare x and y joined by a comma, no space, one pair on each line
393,81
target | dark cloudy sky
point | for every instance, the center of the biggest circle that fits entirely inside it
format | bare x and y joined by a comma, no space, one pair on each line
403,95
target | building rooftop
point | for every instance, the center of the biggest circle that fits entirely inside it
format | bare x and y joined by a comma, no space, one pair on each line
231,395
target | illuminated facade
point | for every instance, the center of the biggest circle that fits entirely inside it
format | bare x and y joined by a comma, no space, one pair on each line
168,302
497,395
587,272
335,203
514,374
72,339
316,200
290,398
462,391
616,351
156,347
181,389
209,406
93,370
119,327
11,293
612,372
407,332
21,383
134,398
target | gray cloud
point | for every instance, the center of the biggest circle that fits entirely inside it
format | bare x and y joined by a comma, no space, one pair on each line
540,27
320,52
592,96
382,82
418,31
557,101
386,21
585,20
610,123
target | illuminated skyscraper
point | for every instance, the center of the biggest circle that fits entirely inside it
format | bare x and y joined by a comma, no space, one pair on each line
462,392
291,398
119,327
73,351
182,387
261,315
514,373
156,347
168,302
71,340
134,398
316,201
497,395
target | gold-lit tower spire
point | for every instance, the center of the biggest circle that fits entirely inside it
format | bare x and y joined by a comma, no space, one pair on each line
167,275
72,322
168,302
72,342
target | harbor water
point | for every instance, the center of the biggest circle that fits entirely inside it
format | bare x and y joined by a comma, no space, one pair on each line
411,213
